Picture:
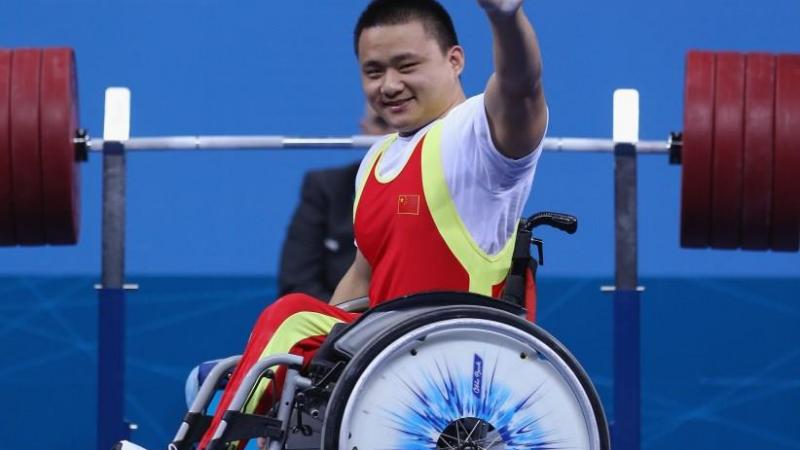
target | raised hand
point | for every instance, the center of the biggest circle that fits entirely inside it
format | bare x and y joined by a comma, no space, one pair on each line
504,7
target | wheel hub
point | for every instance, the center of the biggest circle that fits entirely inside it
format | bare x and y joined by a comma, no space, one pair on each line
470,433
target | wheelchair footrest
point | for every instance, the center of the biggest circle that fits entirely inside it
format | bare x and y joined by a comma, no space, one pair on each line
198,424
241,426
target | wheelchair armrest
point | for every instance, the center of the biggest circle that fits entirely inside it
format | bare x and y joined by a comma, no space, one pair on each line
564,222
355,305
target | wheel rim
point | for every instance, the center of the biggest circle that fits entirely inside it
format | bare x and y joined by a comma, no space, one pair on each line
463,373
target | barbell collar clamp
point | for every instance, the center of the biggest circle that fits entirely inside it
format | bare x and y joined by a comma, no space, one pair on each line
81,142
675,147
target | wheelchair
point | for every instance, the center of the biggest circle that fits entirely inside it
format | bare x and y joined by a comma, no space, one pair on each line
432,371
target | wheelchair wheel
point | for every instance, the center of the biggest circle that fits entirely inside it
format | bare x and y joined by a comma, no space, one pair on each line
464,377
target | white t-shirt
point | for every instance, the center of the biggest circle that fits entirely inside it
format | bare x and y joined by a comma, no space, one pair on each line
489,189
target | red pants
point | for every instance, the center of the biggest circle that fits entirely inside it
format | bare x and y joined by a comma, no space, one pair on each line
297,324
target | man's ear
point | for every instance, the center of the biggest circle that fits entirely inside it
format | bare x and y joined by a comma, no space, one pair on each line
456,58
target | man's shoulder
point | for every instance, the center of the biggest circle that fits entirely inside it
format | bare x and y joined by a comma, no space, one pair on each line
464,123
468,109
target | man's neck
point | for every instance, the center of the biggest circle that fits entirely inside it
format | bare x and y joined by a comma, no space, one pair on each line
460,98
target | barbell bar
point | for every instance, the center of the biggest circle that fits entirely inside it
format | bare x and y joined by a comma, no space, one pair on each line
562,144
739,149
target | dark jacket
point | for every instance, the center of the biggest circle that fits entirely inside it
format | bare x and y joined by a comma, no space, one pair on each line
319,243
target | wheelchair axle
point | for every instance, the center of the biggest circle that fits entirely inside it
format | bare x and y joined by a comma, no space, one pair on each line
469,433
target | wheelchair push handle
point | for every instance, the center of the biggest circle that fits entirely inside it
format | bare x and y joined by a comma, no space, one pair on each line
564,222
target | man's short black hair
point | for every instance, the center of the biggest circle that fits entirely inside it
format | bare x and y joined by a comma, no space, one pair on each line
433,16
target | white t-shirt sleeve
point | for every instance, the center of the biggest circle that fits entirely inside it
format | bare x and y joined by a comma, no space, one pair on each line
489,189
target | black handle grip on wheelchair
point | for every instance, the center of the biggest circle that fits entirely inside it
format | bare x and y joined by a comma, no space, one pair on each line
563,222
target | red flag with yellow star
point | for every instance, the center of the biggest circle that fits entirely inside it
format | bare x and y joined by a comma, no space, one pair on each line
408,204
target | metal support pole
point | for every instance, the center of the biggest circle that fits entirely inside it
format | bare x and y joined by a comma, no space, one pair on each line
627,404
111,426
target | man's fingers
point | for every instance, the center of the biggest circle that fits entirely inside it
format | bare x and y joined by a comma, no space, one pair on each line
505,7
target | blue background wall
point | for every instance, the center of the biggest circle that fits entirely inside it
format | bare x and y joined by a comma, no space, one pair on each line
266,67
720,358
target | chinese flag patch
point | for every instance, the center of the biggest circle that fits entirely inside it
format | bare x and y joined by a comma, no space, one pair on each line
408,204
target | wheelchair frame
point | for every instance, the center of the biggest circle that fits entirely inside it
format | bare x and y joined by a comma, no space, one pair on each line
362,342
237,426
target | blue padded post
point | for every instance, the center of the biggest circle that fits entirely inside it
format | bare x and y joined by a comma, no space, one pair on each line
627,388
625,433
111,426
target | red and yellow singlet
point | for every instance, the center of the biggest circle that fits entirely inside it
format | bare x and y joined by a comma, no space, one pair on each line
408,229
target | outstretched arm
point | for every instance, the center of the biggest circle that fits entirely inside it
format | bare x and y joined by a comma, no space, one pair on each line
514,98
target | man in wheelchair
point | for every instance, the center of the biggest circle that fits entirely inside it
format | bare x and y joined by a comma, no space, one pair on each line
436,209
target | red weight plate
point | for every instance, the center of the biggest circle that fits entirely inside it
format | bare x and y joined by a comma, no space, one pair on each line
25,156
786,184
698,142
758,149
7,234
59,120
727,160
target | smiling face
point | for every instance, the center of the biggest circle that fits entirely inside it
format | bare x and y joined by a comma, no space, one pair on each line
406,76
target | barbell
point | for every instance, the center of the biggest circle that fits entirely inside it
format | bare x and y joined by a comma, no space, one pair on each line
739,149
